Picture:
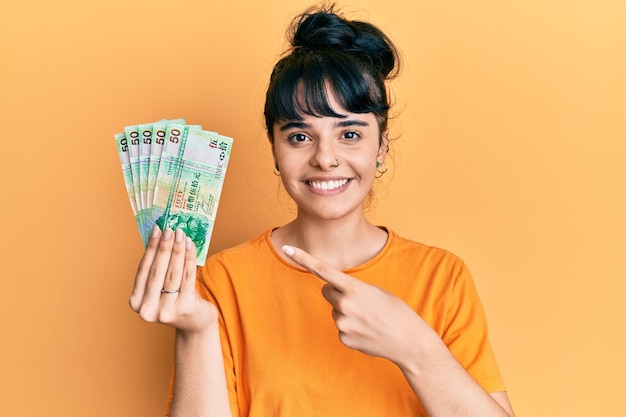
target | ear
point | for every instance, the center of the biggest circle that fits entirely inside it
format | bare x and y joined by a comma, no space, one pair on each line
383,148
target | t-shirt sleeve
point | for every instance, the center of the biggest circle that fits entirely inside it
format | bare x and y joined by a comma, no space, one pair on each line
466,333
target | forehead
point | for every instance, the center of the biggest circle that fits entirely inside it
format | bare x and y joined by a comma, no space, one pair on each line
313,106
312,122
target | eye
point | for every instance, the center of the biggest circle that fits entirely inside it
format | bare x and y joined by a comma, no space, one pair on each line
351,135
297,137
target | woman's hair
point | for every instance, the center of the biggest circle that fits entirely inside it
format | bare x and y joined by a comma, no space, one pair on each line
351,58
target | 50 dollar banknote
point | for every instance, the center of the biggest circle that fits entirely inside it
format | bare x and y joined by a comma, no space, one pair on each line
185,192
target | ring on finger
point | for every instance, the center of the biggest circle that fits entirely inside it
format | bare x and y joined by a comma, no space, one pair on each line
164,291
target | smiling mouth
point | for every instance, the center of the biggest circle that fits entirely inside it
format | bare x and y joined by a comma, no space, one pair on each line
328,185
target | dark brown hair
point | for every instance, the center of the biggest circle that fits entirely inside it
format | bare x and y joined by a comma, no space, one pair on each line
351,58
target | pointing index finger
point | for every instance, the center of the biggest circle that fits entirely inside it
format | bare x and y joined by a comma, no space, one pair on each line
317,267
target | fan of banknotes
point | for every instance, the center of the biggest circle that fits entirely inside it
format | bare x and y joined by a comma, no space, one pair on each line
174,175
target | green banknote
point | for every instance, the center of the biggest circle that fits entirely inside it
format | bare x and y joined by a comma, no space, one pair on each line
189,183
174,173
159,133
123,150
132,135
158,139
156,147
145,141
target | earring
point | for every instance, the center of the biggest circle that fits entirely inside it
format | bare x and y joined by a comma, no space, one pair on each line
276,170
381,168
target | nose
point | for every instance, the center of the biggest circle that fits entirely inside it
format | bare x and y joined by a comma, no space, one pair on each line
324,156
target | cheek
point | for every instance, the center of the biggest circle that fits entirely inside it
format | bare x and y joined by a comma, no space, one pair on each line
290,172
370,163
279,158
286,163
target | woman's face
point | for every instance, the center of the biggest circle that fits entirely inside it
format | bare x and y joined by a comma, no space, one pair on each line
328,164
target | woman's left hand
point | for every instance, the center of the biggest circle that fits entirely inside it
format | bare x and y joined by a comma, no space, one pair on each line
369,319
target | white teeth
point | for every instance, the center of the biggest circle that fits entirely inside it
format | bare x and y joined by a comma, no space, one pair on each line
328,185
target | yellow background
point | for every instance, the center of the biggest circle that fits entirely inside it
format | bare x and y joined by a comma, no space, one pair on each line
511,143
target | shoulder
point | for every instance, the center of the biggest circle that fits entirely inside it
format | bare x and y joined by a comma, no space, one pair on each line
248,250
431,268
249,245
243,258
221,269
420,254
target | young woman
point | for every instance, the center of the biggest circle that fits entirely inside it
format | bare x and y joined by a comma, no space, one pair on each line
328,315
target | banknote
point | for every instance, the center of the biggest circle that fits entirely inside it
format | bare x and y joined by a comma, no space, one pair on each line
145,141
132,135
123,149
174,174
151,169
158,138
189,183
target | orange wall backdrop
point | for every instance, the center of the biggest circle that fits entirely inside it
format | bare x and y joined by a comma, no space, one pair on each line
510,152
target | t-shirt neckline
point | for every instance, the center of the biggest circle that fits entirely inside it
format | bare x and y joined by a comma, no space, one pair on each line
268,242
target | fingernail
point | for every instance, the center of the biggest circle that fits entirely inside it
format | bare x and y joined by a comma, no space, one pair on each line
289,251
189,243
167,233
155,231
179,235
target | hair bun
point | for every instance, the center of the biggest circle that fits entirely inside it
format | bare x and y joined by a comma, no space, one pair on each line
325,29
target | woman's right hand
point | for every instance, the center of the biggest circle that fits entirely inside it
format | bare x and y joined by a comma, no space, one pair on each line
164,290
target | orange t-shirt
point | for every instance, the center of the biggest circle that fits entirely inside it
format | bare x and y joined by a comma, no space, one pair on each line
281,348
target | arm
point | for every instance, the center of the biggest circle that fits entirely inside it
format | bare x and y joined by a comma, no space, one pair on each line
164,292
394,331
200,388
443,386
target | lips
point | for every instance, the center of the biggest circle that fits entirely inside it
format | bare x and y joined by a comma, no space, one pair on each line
329,185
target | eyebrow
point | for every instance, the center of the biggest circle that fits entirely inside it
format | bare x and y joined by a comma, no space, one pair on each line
341,123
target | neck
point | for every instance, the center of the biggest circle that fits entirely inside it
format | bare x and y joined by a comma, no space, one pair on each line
343,243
